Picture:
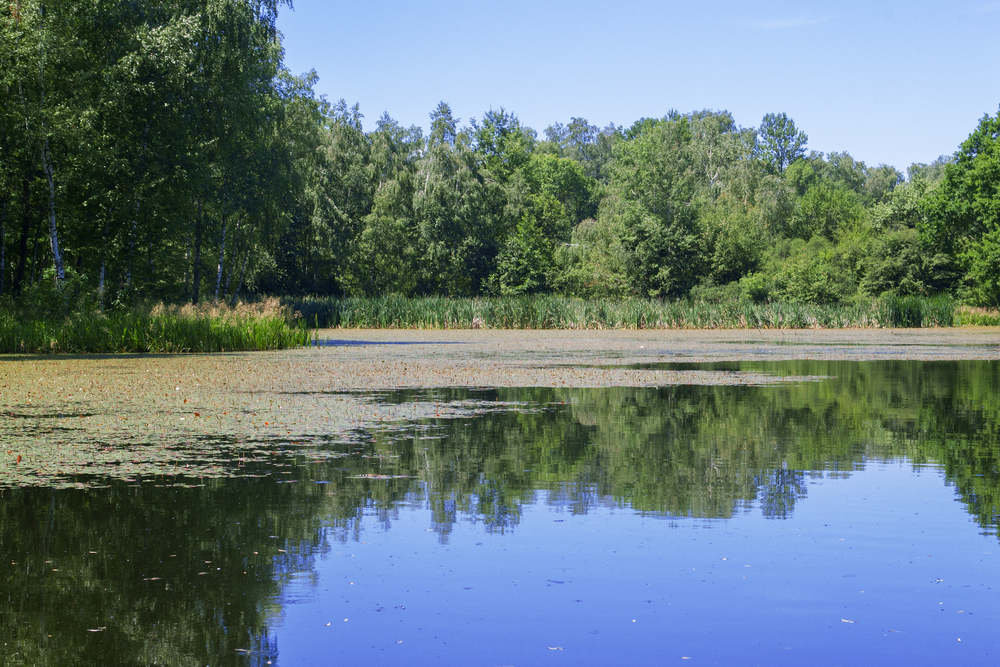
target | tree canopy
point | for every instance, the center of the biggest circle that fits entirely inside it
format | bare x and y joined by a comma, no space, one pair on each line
159,149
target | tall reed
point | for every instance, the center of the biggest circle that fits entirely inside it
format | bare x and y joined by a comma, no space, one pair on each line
155,329
977,317
554,312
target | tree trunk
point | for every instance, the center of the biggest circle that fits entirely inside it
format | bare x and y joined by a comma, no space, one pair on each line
135,220
104,258
229,275
34,258
196,273
232,265
3,213
187,267
22,258
222,254
131,245
53,235
3,244
243,271
47,165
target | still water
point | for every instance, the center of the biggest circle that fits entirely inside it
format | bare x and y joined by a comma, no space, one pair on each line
844,515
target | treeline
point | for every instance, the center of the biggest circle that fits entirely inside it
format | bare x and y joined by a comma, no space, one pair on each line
159,149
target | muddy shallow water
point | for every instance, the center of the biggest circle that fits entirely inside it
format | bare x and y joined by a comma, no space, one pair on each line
507,498
69,418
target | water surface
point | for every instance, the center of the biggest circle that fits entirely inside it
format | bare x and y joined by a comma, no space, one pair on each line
836,513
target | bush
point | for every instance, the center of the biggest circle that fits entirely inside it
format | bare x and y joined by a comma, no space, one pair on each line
45,300
981,286
755,287
709,292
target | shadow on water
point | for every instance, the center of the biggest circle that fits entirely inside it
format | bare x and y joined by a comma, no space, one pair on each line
154,571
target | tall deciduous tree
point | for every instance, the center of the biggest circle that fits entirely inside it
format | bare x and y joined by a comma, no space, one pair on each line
965,212
780,142
654,181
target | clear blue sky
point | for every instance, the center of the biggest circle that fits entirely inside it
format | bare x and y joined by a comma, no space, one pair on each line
889,82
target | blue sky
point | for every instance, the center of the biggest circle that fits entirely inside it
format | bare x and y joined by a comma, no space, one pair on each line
888,82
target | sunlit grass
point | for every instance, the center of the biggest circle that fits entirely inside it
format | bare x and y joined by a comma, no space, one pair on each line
977,317
553,312
269,325
156,329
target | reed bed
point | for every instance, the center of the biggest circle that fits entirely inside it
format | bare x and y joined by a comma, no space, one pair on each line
274,324
553,312
155,329
976,317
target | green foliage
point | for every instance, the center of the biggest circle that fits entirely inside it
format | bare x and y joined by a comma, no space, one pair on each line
565,181
963,213
160,150
738,240
462,218
912,312
976,317
585,144
823,210
51,300
801,272
981,284
711,292
780,143
880,183
932,173
902,207
652,201
501,143
896,263
384,257
755,287
524,262
592,264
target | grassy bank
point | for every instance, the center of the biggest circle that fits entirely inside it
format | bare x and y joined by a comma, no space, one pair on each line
551,312
153,329
976,317
265,326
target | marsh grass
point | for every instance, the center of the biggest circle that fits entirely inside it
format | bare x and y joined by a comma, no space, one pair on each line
280,324
977,317
155,328
553,312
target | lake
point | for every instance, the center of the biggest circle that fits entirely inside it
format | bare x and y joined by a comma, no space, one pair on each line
624,499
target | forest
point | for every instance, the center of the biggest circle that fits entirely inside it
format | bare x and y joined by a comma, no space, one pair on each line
159,150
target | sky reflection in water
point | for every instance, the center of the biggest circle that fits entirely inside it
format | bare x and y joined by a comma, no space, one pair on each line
861,573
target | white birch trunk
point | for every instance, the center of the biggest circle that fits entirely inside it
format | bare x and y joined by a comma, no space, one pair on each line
222,253
104,256
196,271
53,234
236,250
48,167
